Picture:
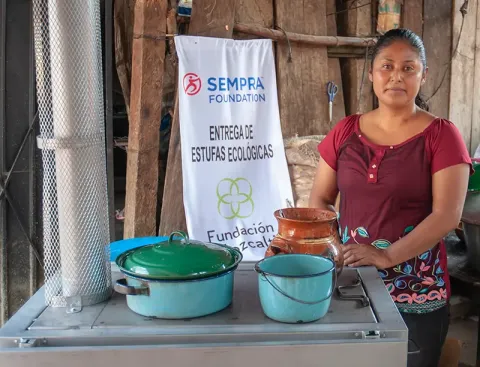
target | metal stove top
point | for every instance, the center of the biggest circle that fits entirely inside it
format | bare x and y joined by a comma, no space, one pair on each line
245,310
370,316
110,334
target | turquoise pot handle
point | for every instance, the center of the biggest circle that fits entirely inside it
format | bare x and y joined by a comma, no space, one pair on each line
334,275
122,287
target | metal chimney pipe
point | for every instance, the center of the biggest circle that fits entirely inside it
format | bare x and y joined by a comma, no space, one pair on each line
73,128
44,96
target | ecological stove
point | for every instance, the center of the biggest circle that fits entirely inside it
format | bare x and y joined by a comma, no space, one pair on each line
361,328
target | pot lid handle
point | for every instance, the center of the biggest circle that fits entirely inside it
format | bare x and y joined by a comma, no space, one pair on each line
181,234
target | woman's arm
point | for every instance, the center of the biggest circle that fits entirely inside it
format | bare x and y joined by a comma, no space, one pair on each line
449,188
324,189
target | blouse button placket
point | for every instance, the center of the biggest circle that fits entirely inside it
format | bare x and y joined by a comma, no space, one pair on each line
373,167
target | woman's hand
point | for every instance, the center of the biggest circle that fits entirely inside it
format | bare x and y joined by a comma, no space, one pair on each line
364,255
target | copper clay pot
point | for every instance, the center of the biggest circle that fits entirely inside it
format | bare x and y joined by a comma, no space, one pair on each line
307,231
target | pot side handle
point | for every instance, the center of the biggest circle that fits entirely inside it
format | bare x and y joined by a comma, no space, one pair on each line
279,246
122,287
337,252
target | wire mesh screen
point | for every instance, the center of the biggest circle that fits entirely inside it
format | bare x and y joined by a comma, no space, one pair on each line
68,58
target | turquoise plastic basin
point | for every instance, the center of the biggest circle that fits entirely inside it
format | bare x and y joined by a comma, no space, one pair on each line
295,288
118,247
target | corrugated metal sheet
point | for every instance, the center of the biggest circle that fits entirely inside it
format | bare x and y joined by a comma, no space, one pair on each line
20,274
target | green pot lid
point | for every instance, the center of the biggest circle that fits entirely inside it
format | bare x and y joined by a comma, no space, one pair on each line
179,259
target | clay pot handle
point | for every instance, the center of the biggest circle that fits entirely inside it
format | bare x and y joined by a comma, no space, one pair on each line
280,245
337,256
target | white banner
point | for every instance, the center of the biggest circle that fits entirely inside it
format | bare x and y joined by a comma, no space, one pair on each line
235,173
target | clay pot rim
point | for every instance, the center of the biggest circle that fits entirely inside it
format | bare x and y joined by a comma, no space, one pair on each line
326,220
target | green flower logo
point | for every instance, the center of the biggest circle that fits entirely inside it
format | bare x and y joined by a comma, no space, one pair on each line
235,198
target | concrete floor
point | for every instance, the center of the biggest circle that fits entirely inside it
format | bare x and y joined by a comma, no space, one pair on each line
465,330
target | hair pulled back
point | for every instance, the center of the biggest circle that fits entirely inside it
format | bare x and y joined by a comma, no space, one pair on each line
411,38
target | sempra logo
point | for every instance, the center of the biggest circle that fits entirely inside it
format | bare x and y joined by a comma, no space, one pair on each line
192,84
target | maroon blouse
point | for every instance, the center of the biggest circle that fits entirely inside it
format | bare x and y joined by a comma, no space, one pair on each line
385,192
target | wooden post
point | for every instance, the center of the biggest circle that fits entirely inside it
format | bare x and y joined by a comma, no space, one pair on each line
302,81
334,72
412,17
210,18
463,69
145,113
437,15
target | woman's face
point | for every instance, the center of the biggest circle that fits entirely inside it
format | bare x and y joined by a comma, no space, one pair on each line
397,75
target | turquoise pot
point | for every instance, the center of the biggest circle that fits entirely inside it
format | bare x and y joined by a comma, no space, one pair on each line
177,299
178,278
295,288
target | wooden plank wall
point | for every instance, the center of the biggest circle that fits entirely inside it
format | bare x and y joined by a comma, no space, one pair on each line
475,138
437,15
291,76
463,69
334,70
412,16
358,89
210,18
302,82
453,57
259,12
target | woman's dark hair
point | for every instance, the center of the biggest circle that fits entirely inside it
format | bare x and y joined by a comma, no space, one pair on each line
405,35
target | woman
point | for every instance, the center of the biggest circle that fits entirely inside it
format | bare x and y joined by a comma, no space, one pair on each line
402,174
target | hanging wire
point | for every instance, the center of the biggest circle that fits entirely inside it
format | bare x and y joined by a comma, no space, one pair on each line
288,42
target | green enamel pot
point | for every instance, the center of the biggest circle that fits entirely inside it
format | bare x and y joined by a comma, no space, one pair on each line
178,278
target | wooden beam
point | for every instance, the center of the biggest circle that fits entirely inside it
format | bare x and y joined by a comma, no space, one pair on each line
302,80
148,57
345,51
438,15
334,71
306,39
463,69
339,46
210,18
412,17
